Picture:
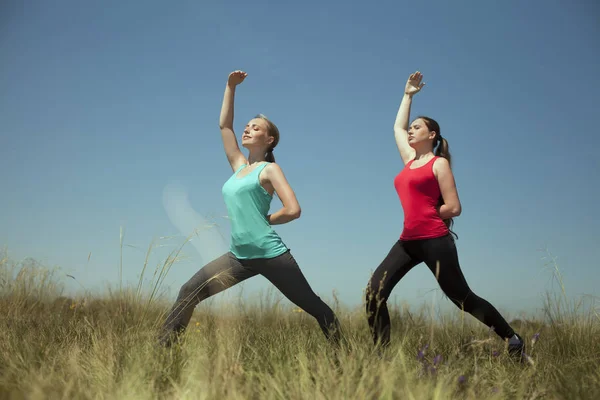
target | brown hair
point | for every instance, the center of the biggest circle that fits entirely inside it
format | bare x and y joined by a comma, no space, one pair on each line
272,131
441,149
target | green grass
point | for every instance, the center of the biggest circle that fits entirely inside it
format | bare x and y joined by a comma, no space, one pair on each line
105,348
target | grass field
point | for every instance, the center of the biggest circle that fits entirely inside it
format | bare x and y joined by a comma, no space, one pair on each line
52,347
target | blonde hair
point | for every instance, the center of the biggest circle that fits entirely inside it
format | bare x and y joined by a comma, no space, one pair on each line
272,131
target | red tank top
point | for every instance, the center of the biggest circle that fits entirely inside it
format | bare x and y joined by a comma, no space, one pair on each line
419,193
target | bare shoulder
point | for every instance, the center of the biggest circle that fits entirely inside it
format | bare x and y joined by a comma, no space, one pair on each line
441,162
441,166
274,174
273,169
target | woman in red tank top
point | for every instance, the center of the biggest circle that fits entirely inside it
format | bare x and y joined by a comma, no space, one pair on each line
429,199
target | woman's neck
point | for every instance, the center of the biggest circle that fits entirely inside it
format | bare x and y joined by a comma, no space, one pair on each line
423,154
256,156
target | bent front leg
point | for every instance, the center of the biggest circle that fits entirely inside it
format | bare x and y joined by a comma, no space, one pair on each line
393,268
216,276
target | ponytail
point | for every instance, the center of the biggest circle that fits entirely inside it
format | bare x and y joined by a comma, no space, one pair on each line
270,157
441,149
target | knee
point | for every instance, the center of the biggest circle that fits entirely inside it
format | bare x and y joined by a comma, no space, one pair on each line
374,295
468,302
191,291
328,315
474,302
322,310
369,297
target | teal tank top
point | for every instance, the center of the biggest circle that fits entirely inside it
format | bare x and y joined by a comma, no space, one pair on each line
248,205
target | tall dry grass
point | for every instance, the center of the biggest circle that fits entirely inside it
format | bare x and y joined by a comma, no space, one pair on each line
54,347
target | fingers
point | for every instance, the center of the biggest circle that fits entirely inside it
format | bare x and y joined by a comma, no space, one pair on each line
416,78
239,73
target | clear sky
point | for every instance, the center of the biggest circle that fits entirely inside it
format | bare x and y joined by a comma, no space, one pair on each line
109,118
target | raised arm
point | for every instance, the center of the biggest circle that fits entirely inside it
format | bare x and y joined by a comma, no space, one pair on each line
413,86
232,150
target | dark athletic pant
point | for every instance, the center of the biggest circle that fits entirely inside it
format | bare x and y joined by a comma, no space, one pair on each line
227,271
403,256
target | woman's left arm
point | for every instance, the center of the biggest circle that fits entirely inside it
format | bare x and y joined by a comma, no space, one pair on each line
442,171
291,209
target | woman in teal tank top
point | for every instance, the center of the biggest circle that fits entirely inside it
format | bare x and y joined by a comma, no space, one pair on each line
255,247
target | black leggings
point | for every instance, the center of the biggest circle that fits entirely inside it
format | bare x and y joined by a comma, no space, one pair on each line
227,271
442,259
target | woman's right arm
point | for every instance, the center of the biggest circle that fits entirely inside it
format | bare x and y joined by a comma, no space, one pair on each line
413,86
232,150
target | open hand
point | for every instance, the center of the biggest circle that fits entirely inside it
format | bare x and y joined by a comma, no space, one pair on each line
236,77
413,84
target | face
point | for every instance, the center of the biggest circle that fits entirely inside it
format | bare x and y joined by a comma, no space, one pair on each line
419,133
256,134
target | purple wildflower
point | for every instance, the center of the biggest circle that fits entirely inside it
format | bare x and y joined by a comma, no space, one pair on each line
462,379
421,353
437,359
495,353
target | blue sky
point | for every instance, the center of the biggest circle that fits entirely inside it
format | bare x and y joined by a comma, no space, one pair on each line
109,112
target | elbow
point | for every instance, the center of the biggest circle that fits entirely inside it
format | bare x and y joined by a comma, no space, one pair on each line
224,124
456,210
294,213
